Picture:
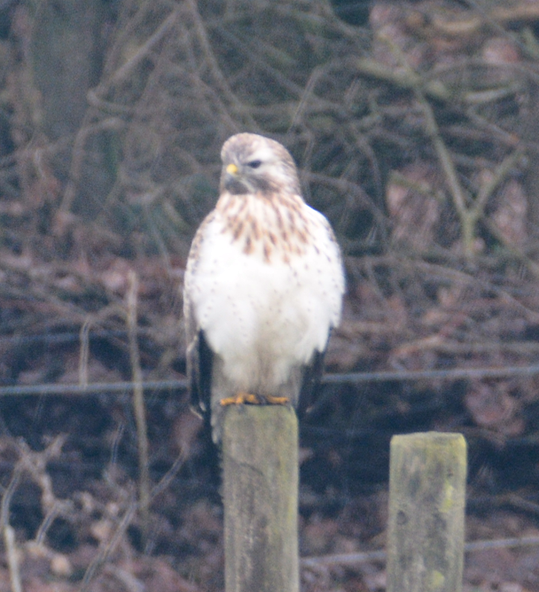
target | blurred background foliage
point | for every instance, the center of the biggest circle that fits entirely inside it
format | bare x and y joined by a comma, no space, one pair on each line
414,126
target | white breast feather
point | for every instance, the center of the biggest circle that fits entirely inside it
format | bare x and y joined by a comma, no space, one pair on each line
264,319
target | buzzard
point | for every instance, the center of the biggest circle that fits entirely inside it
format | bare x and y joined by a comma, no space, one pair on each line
263,286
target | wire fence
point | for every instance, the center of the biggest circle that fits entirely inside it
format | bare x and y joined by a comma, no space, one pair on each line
337,378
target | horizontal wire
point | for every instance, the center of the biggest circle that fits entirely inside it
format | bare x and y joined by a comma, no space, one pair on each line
90,389
367,556
410,375
344,378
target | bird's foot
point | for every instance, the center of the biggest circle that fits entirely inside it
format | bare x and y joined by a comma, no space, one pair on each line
241,399
270,400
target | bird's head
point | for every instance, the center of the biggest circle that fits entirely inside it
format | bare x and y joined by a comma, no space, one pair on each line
257,165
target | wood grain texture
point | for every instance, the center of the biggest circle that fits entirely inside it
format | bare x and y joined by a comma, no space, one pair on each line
260,487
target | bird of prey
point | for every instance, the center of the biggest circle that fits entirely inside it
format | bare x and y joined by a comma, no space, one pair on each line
263,286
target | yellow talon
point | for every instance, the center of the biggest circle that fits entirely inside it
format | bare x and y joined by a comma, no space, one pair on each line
240,399
277,400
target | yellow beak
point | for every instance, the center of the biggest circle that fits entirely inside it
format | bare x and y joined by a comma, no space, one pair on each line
232,169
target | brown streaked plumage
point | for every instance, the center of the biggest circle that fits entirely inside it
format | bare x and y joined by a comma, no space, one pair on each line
263,285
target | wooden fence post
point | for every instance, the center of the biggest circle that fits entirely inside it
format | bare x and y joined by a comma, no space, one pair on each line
260,494
426,513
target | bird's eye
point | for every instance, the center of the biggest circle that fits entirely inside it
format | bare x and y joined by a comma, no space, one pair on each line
254,164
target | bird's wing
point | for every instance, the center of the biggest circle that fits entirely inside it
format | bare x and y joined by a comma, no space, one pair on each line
312,374
199,356
199,365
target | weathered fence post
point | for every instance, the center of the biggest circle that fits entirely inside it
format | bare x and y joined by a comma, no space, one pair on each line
426,513
260,494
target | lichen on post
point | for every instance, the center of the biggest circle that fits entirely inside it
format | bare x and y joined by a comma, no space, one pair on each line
426,513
